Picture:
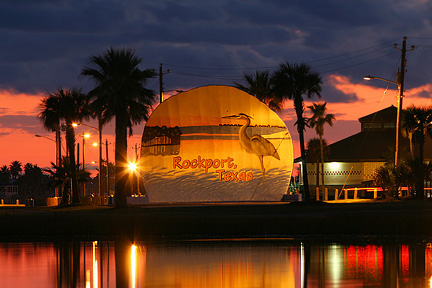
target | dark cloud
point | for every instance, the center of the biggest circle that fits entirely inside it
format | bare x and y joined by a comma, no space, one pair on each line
26,123
47,43
332,95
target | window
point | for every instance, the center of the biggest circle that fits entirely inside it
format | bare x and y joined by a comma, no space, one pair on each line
372,125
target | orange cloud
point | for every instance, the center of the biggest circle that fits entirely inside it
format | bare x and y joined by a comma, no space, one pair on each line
15,103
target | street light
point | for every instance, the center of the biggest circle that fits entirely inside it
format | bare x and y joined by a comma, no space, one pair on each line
368,78
133,167
45,137
399,108
100,149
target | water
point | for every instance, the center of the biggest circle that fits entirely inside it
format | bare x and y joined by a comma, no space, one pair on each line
242,263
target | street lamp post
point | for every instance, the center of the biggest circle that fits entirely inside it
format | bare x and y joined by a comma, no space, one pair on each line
400,76
100,149
107,167
84,135
161,83
399,108
107,162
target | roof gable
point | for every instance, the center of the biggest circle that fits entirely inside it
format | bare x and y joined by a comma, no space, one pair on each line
385,115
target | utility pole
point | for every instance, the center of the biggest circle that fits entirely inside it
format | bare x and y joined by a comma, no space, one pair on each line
83,157
107,168
138,169
400,81
58,155
77,157
161,83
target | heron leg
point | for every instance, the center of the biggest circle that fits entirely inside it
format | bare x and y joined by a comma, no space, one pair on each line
262,167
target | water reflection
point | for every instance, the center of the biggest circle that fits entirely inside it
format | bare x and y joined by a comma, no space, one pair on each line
214,264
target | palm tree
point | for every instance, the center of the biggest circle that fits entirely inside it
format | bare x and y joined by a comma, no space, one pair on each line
293,81
61,177
15,168
318,120
72,106
401,175
260,86
418,121
120,92
4,175
383,177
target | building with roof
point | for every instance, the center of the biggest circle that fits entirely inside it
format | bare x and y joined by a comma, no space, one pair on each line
351,162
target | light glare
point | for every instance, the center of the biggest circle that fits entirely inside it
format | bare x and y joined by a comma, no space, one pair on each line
133,265
132,166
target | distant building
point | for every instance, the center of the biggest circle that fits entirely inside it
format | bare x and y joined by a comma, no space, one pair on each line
352,161
9,193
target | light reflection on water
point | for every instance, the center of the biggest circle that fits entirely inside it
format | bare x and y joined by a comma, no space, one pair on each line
214,264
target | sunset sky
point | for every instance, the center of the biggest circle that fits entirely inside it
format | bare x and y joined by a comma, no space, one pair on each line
45,45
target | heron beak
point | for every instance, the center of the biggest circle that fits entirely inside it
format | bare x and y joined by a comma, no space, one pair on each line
231,116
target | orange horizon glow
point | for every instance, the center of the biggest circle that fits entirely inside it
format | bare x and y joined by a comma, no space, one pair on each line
19,123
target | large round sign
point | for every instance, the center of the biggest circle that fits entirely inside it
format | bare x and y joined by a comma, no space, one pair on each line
215,143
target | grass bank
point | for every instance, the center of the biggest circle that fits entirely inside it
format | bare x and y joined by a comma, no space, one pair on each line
409,218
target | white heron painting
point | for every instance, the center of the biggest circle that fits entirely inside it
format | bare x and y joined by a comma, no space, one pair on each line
255,144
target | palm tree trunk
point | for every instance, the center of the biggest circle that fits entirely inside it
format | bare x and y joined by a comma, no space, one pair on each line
303,156
420,180
410,135
322,163
58,155
121,161
70,142
100,155
298,106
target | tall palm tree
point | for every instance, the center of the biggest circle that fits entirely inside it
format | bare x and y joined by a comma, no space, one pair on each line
293,81
317,121
72,106
260,86
418,121
120,92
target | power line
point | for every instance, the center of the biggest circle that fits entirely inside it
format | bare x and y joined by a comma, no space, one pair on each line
357,64
239,77
219,69
339,61
223,77
362,52
382,45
